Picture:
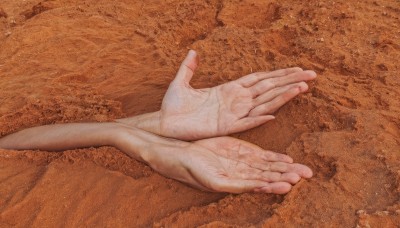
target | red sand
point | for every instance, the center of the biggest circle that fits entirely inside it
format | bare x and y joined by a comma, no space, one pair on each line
96,60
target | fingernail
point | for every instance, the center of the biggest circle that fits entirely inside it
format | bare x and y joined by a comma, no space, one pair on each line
191,53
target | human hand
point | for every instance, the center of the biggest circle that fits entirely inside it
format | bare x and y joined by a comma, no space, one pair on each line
221,164
239,105
232,165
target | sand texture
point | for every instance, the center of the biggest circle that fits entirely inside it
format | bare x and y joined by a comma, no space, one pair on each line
96,60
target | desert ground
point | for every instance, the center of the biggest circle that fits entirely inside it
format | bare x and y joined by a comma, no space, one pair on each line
96,60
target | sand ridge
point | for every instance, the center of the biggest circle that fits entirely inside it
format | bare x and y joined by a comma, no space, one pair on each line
74,61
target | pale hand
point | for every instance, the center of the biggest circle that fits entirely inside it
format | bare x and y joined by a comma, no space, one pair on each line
239,105
226,164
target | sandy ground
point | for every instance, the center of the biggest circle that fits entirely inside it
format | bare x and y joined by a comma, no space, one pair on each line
96,60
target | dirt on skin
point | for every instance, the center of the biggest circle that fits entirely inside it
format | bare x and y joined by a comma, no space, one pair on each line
96,60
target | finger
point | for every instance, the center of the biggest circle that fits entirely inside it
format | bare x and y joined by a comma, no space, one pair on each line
275,104
282,167
270,95
252,79
307,75
269,84
270,176
248,123
275,188
263,156
253,154
187,68
198,186
241,185
262,87
270,156
291,178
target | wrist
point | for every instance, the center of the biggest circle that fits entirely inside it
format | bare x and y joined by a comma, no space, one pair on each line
144,146
127,139
149,122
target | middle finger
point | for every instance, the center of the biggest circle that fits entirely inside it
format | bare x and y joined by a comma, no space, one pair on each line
271,83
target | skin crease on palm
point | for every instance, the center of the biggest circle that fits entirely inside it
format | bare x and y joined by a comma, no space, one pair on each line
166,140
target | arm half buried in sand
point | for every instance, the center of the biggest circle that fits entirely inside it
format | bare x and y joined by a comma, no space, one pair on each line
220,164
215,164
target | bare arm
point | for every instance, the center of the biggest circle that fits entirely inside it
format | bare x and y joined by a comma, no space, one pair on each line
213,164
59,137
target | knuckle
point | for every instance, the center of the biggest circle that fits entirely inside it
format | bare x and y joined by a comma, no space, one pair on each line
271,156
275,176
296,178
279,166
303,84
268,84
293,178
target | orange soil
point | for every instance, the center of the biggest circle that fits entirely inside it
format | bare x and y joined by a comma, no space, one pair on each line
95,60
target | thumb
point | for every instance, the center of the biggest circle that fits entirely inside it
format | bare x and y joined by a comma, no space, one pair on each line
187,68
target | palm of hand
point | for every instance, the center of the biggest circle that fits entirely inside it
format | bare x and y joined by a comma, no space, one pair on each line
232,165
205,113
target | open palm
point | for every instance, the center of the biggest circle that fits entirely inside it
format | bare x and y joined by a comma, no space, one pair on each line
190,114
225,164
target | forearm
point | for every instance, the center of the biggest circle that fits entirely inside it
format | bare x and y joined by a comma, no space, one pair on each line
135,142
60,137
142,145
